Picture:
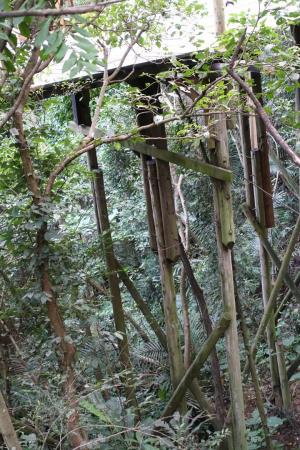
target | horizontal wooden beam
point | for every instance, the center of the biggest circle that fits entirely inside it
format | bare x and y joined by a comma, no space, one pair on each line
180,160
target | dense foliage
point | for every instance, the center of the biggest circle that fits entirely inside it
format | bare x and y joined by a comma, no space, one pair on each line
54,234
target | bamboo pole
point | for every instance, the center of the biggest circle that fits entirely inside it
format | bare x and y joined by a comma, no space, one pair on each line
268,313
288,280
196,365
114,287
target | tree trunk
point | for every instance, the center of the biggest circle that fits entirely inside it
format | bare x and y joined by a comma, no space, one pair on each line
77,436
6,427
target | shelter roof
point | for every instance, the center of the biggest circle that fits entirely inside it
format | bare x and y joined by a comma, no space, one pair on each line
54,81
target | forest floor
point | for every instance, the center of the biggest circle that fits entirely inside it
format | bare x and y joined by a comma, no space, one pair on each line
287,434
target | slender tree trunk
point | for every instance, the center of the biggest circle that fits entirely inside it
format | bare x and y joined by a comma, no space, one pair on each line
76,435
215,366
6,427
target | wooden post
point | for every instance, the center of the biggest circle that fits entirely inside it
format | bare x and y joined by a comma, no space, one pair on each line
157,136
81,112
82,116
225,241
244,127
170,311
265,217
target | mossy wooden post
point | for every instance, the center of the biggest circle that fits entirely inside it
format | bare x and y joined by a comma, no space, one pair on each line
170,311
157,136
114,288
265,217
82,116
223,217
225,241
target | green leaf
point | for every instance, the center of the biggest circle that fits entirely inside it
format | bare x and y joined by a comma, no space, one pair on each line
59,56
24,28
88,406
274,421
86,45
43,33
69,63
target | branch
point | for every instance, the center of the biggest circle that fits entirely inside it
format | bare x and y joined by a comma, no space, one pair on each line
268,313
288,280
263,115
23,94
59,12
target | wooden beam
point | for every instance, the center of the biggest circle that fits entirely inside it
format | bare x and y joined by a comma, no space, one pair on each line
188,163
196,365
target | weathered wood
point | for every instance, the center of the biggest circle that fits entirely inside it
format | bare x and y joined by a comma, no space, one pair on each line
215,366
284,382
225,239
168,288
114,287
244,128
196,365
151,226
187,163
257,133
288,280
157,135
263,154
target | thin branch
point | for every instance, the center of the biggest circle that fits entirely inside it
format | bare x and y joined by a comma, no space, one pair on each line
75,10
268,313
259,108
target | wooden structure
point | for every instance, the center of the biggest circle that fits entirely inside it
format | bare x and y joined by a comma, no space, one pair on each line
161,217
